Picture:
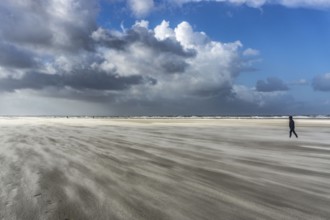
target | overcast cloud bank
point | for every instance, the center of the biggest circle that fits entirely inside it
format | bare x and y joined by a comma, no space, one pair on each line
55,50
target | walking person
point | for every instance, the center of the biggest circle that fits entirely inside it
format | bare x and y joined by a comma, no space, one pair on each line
292,127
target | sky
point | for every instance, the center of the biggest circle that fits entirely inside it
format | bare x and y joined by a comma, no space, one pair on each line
157,57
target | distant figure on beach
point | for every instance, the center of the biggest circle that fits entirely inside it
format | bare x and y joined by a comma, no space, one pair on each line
291,125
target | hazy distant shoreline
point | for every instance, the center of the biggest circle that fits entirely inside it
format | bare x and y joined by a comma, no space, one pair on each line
173,117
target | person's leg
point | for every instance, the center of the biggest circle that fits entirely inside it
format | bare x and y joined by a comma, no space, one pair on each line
295,133
290,132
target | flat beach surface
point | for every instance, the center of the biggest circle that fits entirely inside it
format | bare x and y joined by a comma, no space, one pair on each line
155,169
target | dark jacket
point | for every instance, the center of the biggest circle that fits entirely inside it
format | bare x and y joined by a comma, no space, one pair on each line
291,124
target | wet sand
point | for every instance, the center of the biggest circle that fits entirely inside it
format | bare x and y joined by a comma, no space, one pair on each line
154,169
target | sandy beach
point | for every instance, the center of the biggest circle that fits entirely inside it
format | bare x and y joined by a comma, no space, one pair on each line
155,169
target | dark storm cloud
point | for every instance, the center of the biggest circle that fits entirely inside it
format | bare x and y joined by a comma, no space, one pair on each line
112,41
173,64
24,28
223,91
77,80
272,84
321,83
11,56
36,23
30,80
142,35
101,80
78,38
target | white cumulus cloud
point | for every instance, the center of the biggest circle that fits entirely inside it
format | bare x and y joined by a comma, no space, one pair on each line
182,62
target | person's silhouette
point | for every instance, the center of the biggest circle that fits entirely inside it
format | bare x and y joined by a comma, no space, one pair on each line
292,127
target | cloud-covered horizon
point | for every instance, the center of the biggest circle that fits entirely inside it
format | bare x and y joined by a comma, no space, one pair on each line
55,50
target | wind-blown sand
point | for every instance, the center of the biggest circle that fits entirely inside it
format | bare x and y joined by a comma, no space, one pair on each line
154,169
